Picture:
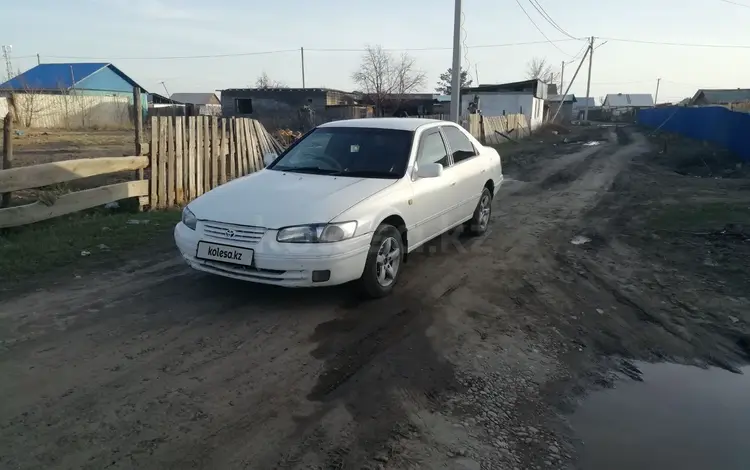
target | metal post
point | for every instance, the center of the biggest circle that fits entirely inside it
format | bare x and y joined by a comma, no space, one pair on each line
38,59
656,96
588,82
562,76
302,54
456,82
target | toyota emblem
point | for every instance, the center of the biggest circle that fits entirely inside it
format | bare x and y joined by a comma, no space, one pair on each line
229,233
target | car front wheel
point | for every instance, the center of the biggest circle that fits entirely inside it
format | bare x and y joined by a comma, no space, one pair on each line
480,222
384,262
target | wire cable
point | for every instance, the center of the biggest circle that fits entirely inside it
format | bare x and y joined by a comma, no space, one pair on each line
465,50
735,3
682,44
539,8
539,29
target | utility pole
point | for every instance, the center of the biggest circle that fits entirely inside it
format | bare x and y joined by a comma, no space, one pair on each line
456,82
570,84
476,73
302,55
38,59
562,75
656,96
588,83
8,64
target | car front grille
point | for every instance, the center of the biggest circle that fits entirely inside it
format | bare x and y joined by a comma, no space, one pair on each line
238,233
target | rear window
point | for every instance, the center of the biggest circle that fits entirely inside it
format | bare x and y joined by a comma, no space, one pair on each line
349,150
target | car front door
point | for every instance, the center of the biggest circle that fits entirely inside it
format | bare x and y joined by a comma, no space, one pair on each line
469,171
432,202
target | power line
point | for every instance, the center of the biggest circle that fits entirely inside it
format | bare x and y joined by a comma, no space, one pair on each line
578,55
210,56
539,29
539,8
683,44
735,3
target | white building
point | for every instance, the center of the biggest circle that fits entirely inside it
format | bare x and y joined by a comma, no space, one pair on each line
526,97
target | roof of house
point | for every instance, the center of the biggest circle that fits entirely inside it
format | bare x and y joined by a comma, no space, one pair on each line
557,98
625,100
510,87
725,96
582,102
404,124
60,76
283,89
195,98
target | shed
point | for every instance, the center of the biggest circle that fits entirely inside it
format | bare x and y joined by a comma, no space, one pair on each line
524,97
564,103
207,104
628,100
73,95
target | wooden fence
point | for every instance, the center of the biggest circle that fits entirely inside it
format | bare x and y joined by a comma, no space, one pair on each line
192,155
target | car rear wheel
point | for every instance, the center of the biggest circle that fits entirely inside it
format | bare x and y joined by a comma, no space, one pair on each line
384,262
479,224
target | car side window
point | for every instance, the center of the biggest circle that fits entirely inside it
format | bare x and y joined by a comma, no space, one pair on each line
432,149
460,144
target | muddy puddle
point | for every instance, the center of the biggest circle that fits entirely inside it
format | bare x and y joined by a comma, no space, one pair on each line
678,417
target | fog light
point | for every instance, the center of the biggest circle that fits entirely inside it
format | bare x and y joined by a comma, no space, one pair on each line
321,276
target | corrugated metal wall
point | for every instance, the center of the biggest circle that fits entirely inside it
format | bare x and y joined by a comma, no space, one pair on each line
73,111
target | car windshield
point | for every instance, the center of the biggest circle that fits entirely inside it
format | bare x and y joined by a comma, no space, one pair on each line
349,151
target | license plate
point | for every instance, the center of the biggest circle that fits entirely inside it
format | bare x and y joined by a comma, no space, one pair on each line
225,253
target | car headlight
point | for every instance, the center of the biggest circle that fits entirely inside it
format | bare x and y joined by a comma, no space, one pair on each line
317,233
189,219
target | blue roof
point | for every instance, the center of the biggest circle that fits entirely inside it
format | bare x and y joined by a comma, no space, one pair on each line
60,76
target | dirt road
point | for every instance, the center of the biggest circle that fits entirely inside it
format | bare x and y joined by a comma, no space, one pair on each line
471,364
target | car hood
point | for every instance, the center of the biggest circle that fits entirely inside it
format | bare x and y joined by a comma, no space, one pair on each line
275,199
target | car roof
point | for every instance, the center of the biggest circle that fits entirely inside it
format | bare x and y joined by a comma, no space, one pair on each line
404,124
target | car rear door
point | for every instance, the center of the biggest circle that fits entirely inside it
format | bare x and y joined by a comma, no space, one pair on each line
432,202
468,170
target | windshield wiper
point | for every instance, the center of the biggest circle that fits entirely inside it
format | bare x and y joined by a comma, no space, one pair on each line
307,169
367,173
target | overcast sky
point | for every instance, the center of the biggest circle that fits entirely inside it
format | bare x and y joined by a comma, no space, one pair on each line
128,32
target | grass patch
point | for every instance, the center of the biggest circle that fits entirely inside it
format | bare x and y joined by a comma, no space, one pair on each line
707,216
80,240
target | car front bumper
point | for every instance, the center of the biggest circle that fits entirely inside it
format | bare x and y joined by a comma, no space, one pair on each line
281,264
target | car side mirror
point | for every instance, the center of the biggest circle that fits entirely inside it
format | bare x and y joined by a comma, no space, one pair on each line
268,158
429,170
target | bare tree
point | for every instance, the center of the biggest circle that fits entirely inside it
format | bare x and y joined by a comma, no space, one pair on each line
385,78
542,70
265,82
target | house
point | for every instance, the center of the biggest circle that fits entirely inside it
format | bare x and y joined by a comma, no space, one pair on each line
579,108
202,104
628,101
280,107
73,95
526,97
731,98
564,104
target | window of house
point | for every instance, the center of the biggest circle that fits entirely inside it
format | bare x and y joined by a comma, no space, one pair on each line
243,105
432,149
460,144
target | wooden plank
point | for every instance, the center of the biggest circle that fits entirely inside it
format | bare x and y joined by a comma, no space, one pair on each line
191,167
259,148
138,121
199,155
240,141
7,161
72,202
222,152
232,150
250,137
215,151
44,174
206,154
171,175
179,160
153,153
163,122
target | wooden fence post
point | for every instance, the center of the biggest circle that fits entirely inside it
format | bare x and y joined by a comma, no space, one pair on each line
154,152
7,161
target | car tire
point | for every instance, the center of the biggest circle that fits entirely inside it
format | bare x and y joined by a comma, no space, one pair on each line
480,222
384,262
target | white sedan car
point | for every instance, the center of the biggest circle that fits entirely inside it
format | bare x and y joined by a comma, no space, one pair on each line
346,202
